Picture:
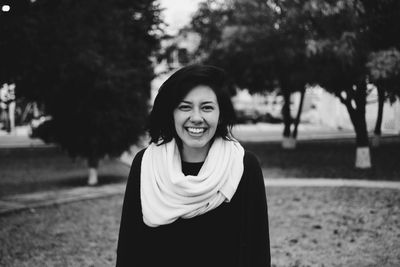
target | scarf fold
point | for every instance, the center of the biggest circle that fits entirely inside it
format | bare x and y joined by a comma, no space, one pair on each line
167,194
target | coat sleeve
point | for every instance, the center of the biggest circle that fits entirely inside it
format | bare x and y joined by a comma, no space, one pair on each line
130,231
258,243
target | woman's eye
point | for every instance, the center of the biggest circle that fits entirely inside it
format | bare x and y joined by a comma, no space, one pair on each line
208,108
184,107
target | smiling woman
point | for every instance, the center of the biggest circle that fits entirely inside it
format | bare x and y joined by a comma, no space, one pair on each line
194,196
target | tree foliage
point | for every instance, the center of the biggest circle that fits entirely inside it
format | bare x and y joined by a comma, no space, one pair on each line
258,42
384,70
89,63
383,22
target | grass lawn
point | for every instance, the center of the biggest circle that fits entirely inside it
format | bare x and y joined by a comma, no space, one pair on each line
29,170
327,159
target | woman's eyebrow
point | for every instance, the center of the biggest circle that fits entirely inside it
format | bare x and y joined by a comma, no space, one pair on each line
208,102
185,102
202,103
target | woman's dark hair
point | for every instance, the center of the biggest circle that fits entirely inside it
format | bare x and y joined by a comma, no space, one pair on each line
161,122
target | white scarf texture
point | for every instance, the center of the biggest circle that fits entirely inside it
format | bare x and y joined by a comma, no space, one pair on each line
167,194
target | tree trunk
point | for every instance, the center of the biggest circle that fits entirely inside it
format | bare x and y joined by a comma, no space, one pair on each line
378,124
363,159
396,115
287,141
11,116
357,117
93,163
299,111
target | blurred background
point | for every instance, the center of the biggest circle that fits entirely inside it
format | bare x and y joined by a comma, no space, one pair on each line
316,94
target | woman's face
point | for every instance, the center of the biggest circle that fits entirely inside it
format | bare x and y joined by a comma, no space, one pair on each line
196,118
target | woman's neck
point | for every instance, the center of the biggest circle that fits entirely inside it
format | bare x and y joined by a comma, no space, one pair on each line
194,154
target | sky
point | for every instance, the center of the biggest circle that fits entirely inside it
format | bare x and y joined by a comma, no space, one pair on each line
177,12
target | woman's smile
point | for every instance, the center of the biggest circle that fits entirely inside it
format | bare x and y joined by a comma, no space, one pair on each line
196,131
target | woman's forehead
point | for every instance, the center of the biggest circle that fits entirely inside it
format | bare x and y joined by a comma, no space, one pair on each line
201,93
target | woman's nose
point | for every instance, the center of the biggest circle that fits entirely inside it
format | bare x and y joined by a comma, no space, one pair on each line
195,116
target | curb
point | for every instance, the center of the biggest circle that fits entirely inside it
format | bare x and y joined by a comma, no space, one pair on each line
48,198
31,201
321,182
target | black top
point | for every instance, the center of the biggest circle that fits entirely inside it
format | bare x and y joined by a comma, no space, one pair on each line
233,234
191,168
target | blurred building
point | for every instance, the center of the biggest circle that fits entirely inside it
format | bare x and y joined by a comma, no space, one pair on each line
323,108
175,53
319,108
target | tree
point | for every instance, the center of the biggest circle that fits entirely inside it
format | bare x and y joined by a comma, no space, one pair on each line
89,63
347,36
383,22
260,43
340,51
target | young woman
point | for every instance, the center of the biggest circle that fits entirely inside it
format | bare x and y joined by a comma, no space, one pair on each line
194,196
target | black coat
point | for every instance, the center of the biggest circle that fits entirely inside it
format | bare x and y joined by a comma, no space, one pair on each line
234,234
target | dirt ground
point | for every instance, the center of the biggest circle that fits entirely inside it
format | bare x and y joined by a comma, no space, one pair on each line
308,227
334,227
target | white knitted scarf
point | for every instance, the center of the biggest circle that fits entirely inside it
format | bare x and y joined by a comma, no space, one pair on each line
167,194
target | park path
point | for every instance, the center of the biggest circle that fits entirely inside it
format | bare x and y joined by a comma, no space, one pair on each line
30,201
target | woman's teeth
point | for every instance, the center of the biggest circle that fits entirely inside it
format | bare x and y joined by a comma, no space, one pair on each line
195,130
